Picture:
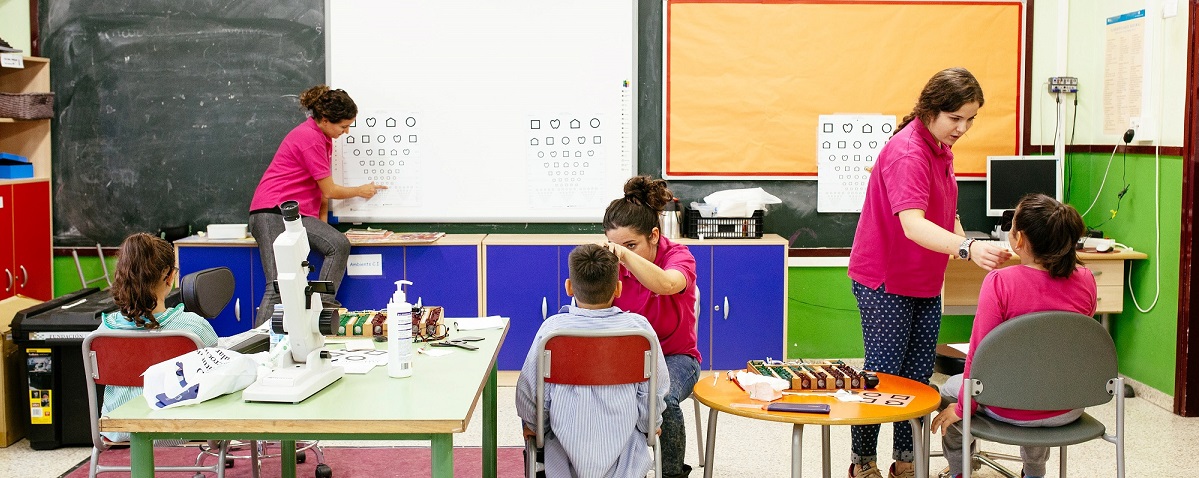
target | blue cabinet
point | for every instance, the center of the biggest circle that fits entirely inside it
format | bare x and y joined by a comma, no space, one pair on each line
526,284
745,304
238,316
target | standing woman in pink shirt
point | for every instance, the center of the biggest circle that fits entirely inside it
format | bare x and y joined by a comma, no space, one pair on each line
658,280
1049,277
302,171
906,233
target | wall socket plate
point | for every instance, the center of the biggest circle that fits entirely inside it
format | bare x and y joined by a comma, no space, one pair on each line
1063,84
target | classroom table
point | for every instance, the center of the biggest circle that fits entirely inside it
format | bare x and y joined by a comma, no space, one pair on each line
436,402
723,395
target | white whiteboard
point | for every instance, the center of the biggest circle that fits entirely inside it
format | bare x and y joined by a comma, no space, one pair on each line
467,108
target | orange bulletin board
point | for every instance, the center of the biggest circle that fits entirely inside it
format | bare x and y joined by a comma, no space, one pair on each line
746,81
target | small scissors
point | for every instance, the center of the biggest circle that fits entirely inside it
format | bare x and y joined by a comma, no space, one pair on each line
460,342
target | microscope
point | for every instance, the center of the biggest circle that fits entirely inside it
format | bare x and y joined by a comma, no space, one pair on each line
306,369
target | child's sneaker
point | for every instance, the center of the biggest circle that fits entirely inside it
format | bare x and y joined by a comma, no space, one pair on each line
908,473
869,470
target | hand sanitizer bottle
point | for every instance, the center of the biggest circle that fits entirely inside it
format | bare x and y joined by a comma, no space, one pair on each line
399,333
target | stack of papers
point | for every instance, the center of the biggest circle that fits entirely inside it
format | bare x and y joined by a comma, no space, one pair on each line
368,234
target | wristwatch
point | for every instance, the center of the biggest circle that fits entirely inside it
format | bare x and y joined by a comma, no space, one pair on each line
964,249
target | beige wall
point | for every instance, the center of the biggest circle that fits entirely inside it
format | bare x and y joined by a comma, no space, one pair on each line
14,23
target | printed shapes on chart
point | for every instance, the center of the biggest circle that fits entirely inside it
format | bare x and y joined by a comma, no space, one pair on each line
872,144
370,122
582,139
565,140
534,142
406,151
596,139
390,123
412,138
842,144
382,151
394,152
578,154
826,145
370,152
399,138
595,122
886,127
366,138
354,124
555,123
535,124
362,163
357,152
382,139
847,127
826,127
349,139
591,152
574,124
586,164
541,154
857,145
553,154
549,140
410,121
866,128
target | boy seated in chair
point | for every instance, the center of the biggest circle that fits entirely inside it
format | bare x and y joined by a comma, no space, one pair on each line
592,431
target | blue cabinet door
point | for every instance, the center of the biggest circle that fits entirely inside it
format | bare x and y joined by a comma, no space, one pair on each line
522,282
703,281
447,276
373,292
238,315
747,297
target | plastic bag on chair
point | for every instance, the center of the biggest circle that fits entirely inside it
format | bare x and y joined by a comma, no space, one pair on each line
197,376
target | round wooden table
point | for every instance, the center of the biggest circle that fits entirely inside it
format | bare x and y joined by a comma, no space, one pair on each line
723,395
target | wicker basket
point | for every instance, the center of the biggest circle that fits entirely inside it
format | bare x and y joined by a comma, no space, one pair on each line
27,106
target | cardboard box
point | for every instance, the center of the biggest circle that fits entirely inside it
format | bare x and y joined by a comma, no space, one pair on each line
12,393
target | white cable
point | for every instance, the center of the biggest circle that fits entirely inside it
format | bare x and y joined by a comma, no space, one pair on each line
1101,183
1157,196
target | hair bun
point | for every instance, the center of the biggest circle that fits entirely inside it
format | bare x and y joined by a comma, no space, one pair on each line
648,191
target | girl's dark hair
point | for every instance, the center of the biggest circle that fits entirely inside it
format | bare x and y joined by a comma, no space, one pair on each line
644,198
143,263
1052,229
327,104
593,273
946,91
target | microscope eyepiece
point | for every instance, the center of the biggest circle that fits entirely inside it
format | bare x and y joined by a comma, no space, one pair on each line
290,210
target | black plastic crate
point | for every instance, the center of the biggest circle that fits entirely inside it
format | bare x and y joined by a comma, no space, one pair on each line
695,226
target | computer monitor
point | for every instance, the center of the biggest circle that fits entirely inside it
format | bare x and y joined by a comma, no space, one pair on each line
1009,178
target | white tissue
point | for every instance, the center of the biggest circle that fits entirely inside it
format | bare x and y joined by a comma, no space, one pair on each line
766,389
740,202
847,396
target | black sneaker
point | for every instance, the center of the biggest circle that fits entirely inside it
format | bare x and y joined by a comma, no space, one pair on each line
686,471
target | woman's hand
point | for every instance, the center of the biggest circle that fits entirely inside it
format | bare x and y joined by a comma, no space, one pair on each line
945,419
369,190
988,256
620,251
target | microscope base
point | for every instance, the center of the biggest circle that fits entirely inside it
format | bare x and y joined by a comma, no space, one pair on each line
292,384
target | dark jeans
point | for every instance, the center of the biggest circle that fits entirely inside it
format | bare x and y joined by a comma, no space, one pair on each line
322,237
684,372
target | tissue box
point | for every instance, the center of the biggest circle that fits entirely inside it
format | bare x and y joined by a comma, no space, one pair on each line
14,166
226,231
696,226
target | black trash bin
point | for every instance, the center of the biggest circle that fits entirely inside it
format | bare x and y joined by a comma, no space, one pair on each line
49,339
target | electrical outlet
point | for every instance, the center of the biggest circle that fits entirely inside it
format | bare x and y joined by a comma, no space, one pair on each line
1169,8
1063,84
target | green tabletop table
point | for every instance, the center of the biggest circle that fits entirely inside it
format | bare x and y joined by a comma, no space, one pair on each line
433,404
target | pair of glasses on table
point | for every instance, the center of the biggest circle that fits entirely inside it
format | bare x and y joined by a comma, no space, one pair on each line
460,342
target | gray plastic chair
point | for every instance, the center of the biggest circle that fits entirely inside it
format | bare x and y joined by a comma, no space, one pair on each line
1044,361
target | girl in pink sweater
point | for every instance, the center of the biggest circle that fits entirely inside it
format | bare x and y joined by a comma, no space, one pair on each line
1049,277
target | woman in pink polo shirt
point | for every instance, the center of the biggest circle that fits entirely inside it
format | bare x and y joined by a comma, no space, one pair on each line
302,171
1049,277
658,281
906,233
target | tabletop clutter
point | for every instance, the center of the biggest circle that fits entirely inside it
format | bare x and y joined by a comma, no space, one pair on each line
727,214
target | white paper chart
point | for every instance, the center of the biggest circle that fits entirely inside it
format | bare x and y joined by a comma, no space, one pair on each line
566,159
846,147
383,147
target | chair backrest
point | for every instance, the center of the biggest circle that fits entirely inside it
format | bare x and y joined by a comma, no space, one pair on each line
598,357
204,292
1045,361
119,357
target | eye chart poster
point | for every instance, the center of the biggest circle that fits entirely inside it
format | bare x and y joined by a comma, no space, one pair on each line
846,148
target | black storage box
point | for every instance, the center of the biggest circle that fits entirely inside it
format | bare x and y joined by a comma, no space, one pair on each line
696,226
49,339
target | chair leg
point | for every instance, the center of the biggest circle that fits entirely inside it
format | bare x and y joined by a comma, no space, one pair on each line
91,470
530,459
1062,471
699,432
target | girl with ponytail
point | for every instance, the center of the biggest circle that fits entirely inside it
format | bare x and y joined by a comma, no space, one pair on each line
1049,277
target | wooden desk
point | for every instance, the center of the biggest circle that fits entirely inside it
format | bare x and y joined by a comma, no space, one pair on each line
963,279
726,396
436,402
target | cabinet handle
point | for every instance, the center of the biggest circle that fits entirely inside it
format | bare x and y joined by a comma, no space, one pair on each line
544,308
10,280
24,276
237,309
726,307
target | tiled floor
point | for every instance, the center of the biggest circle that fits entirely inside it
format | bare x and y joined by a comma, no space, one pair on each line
1157,443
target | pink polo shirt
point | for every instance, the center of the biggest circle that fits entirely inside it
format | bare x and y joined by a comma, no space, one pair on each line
304,157
672,316
1013,291
912,172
